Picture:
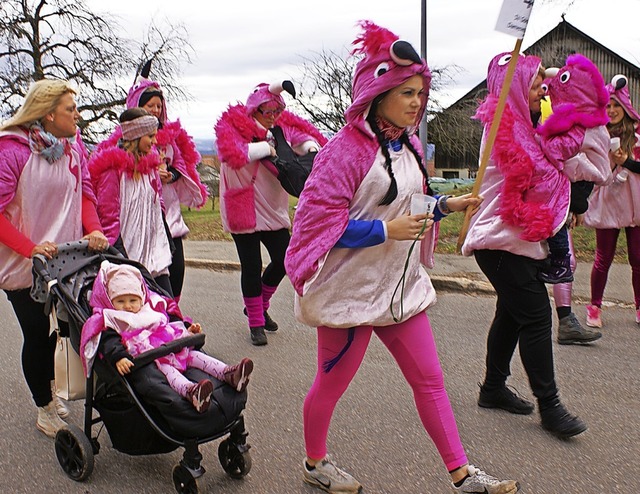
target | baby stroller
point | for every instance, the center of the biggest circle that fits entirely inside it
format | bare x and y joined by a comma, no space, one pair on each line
140,411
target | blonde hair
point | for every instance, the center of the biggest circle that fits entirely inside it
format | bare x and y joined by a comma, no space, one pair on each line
42,98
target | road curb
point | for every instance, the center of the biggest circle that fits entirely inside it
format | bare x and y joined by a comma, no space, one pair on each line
444,283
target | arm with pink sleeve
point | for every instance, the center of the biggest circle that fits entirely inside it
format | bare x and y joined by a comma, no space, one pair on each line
13,157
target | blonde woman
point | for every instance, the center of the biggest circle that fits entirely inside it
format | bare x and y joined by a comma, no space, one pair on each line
129,190
40,158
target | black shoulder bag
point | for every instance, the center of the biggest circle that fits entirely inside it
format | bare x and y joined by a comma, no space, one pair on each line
293,169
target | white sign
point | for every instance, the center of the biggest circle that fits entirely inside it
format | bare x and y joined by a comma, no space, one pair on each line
514,17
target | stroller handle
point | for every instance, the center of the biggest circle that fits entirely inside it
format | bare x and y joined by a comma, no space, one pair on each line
40,267
195,340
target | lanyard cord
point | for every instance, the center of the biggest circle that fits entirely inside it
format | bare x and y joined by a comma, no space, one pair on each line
401,281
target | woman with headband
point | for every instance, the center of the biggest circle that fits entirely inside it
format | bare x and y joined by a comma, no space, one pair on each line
129,191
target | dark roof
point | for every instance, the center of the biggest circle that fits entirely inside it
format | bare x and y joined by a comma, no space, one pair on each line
566,26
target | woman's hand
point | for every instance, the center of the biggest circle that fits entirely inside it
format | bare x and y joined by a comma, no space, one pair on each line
408,227
165,175
619,157
46,248
124,366
460,203
272,151
97,240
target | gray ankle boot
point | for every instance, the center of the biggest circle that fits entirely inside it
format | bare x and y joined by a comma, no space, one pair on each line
570,331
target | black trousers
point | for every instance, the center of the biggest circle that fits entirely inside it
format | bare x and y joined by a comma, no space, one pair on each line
38,345
523,318
176,270
248,247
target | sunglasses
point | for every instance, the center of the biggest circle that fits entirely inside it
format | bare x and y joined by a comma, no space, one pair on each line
270,113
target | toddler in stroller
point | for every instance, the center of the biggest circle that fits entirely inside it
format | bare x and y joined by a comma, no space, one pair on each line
143,415
132,320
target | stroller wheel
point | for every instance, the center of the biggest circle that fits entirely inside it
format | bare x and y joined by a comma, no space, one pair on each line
74,452
236,461
183,481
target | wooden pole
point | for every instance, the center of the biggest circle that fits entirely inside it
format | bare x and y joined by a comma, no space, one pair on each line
488,146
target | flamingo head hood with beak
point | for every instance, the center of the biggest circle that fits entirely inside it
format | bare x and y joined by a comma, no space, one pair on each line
388,62
269,93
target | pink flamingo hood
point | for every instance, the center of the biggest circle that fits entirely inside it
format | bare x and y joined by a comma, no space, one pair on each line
387,63
618,89
578,95
135,92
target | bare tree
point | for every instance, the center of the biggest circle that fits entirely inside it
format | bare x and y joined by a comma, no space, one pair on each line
325,89
64,39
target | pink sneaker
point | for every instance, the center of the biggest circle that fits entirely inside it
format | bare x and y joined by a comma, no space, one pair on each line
593,316
637,316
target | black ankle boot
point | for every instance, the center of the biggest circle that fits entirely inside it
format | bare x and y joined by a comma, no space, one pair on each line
258,338
559,422
269,324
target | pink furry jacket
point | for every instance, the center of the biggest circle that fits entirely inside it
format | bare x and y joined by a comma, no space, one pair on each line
235,130
238,137
106,166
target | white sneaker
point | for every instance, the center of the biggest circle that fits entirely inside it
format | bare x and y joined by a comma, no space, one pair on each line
481,482
330,478
48,420
61,408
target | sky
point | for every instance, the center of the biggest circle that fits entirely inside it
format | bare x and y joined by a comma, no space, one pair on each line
241,43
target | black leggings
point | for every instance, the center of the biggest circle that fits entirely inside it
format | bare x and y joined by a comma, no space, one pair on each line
523,317
248,247
176,270
38,345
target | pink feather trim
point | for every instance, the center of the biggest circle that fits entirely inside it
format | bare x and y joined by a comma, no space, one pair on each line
517,167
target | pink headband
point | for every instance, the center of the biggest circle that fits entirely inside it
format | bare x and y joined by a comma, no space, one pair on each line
138,127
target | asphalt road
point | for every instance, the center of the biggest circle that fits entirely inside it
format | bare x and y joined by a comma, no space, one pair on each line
375,433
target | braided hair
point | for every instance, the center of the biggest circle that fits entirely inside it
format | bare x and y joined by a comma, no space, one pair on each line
392,191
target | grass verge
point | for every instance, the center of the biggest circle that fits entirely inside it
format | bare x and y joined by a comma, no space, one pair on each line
205,224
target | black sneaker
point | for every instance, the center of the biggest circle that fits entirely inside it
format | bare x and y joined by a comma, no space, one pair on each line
505,399
559,422
258,338
269,324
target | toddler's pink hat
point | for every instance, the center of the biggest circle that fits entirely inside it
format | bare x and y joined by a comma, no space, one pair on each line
124,279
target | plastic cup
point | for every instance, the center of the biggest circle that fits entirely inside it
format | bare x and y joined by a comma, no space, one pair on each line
622,175
615,144
422,204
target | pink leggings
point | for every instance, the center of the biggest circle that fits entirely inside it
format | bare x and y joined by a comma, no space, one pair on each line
562,292
412,345
606,240
197,360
